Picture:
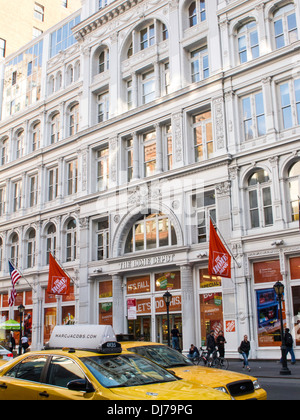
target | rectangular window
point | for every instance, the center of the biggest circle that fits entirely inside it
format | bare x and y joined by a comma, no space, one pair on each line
102,169
2,47
72,177
148,87
102,234
52,184
204,205
17,195
147,37
129,158
297,97
33,193
149,145
254,116
63,38
103,107
39,12
199,65
129,95
203,136
169,145
286,106
2,201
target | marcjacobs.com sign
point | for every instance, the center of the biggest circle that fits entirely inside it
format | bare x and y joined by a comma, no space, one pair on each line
147,261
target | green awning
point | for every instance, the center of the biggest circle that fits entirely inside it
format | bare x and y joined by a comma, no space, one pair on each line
10,325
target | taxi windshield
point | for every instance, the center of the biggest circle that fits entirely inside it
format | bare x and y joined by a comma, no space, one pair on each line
126,370
162,355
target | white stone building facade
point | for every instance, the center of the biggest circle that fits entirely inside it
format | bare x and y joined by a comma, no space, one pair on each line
122,132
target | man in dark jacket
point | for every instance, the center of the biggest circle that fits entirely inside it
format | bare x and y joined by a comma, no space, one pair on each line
210,343
289,345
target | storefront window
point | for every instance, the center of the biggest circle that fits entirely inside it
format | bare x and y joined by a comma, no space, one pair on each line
167,281
296,308
50,316
211,314
68,315
105,289
268,317
140,284
209,281
106,313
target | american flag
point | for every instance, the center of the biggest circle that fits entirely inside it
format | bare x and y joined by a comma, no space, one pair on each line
15,277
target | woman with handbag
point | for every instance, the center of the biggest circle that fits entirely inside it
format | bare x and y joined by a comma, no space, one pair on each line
244,350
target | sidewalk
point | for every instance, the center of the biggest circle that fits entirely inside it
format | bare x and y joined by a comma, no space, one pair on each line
265,368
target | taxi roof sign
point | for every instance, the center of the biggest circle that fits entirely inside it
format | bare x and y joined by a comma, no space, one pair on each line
91,337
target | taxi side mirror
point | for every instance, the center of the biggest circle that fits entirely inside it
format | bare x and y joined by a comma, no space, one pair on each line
80,385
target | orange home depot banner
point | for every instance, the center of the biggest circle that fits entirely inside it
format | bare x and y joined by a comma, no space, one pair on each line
58,281
219,263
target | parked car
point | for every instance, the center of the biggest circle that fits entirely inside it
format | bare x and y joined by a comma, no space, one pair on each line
5,354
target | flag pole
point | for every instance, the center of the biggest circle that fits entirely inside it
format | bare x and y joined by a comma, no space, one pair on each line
227,247
71,278
22,275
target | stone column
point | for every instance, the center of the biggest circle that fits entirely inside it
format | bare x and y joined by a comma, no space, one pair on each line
188,307
118,304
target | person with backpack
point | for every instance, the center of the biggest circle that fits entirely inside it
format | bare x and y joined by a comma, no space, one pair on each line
289,345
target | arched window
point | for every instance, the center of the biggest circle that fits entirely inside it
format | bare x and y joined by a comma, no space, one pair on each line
104,61
20,144
197,12
294,190
50,241
36,136
248,43
74,119
55,128
4,151
71,241
285,26
150,232
31,249
260,199
14,250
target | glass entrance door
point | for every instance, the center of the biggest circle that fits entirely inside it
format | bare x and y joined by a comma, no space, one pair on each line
140,327
162,327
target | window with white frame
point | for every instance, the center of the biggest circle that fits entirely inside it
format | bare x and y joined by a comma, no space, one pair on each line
285,26
102,162
4,151
248,42
151,232
1,254
71,241
50,241
260,199
168,146
55,128
254,122
199,64
2,47
149,153
20,144
104,61
290,103
52,176
39,12
102,239
203,136
197,12
72,177
2,200
14,250
36,136
147,37
166,78
204,206
129,94
148,86
17,195
31,248
294,190
74,120
129,158
103,107
33,190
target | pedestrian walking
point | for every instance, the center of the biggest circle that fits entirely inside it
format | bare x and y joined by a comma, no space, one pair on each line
289,342
193,352
244,350
25,344
12,342
220,341
210,343
175,338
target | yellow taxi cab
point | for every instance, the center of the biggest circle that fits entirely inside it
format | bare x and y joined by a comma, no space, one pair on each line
85,362
239,386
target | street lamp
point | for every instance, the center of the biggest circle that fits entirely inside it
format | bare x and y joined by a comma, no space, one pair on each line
21,309
279,290
168,298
